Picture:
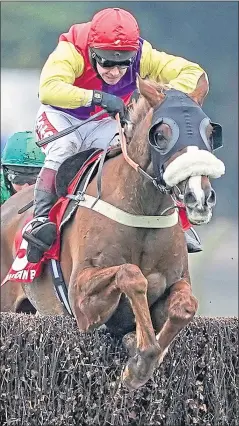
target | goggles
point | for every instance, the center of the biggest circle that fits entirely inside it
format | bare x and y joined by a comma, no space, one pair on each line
20,178
105,63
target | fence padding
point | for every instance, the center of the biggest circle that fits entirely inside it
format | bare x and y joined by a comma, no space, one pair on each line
53,375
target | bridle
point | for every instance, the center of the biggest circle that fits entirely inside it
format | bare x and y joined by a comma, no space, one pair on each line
189,120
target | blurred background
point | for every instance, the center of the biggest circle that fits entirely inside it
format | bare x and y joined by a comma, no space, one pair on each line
203,32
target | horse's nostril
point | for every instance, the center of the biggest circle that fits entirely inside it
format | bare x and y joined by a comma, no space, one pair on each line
190,199
211,199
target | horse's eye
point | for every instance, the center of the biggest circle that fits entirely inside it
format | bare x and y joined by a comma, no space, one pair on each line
159,137
160,140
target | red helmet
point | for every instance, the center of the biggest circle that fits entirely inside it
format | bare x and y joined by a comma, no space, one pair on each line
114,29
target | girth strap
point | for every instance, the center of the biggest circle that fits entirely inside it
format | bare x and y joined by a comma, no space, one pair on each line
120,216
60,285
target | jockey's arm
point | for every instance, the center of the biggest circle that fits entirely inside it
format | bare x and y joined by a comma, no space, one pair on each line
178,72
61,69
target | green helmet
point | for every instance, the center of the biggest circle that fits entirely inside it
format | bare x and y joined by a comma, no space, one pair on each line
21,150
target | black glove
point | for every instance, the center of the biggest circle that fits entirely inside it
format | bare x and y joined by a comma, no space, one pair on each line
112,104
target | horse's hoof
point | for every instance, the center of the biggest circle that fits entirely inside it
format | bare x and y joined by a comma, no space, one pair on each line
140,368
130,343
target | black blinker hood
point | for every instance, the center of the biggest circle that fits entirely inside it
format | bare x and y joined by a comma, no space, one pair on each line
188,124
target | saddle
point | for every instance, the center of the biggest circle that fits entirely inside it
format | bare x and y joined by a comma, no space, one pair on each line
78,165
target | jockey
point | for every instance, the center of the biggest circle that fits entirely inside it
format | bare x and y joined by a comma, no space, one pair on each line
94,66
21,162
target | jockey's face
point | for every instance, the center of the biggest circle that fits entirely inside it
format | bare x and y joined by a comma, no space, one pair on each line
111,75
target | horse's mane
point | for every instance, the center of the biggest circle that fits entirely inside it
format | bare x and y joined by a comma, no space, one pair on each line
138,111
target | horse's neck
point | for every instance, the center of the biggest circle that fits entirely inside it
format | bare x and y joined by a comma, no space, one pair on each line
138,189
138,195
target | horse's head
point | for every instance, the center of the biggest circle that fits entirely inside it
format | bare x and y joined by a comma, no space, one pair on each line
182,140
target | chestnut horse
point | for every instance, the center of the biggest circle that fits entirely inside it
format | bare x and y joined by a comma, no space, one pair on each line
135,279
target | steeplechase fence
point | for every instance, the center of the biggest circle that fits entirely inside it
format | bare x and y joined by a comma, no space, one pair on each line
53,375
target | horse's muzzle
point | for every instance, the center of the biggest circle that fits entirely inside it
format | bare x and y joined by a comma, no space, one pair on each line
200,201
199,205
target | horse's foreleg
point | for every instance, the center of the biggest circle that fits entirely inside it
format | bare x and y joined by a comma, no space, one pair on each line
180,307
94,295
140,367
169,314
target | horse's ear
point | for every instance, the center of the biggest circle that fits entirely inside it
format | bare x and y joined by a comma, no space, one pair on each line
149,92
201,91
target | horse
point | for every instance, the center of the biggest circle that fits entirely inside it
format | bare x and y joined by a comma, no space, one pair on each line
135,279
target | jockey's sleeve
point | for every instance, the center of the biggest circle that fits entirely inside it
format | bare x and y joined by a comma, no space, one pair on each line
58,75
168,69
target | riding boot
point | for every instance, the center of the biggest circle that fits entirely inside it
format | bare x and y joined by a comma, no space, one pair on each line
43,232
193,244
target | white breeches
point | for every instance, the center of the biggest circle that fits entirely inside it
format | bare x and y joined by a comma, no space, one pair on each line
95,134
